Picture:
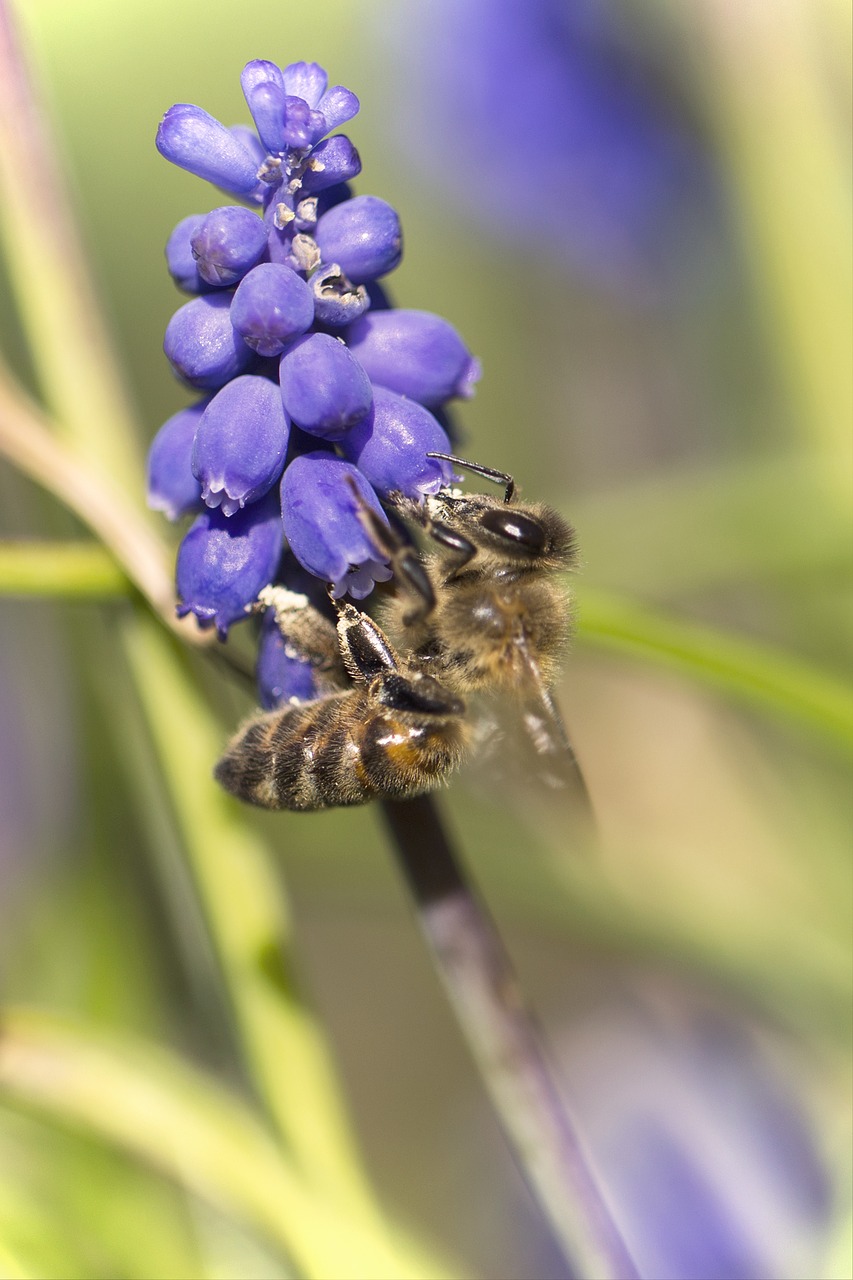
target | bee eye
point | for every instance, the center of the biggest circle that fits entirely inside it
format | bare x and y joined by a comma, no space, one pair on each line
527,534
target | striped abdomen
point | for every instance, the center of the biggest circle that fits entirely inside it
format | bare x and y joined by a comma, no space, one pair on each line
340,750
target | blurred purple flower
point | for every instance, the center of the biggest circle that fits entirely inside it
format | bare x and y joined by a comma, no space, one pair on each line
701,1141
548,119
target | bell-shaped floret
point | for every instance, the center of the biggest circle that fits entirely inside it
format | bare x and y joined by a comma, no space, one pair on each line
240,444
271,306
180,259
282,674
320,515
337,301
202,345
362,236
332,161
415,353
324,388
172,487
193,140
390,445
224,561
228,242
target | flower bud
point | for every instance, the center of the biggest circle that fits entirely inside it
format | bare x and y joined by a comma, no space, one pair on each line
240,444
362,236
337,302
180,259
306,80
202,345
272,305
390,445
338,105
193,140
263,88
332,161
320,516
302,126
323,386
172,487
415,353
224,561
229,241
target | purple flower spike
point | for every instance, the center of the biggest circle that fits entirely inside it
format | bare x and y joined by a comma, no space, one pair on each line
337,302
390,446
193,140
202,345
416,353
271,306
172,487
332,161
362,236
324,388
180,259
224,562
281,674
240,443
229,241
321,523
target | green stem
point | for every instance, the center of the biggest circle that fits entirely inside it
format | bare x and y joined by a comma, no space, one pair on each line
473,965
73,570
27,441
742,669
153,1105
68,340
243,903
788,148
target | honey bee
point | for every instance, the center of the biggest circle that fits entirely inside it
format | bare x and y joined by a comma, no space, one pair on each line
486,608
394,732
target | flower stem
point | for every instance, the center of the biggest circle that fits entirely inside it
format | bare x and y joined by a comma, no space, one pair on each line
472,963
69,342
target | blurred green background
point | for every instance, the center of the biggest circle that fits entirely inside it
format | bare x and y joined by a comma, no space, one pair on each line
699,440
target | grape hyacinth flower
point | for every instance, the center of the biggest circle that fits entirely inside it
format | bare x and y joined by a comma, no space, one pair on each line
315,387
620,186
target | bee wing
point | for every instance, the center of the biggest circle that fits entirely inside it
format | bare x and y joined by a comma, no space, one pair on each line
546,729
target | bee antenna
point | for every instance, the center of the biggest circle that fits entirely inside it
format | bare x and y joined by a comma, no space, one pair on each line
488,473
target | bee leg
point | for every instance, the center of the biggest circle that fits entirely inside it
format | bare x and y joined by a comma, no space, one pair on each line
306,632
365,649
405,560
464,550
444,534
